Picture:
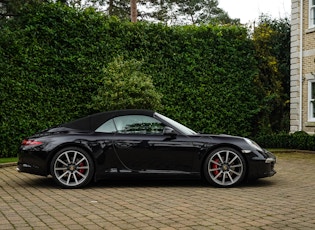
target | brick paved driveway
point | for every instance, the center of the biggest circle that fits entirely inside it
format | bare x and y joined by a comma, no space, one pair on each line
285,201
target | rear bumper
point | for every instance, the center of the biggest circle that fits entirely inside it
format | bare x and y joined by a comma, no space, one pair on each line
32,169
33,162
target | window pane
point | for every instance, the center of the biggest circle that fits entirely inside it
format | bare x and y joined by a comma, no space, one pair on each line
107,127
312,102
138,124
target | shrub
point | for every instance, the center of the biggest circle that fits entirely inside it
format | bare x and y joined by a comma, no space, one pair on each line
298,140
124,86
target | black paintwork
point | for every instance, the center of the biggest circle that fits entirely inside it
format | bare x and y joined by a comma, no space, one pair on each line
136,153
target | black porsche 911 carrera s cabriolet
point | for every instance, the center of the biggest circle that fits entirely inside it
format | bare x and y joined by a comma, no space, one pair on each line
140,141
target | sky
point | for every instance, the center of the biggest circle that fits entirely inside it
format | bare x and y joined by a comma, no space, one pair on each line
249,10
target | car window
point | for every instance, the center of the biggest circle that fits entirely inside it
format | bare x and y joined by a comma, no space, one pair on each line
132,124
107,127
183,129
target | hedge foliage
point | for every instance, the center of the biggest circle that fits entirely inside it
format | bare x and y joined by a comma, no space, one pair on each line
124,85
298,140
52,57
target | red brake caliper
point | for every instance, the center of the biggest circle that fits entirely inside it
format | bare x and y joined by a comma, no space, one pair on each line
215,166
81,165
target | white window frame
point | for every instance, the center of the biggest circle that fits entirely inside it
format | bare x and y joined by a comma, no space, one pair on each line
311,13
311,102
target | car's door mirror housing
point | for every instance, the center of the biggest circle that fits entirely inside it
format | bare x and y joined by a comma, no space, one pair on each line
169,131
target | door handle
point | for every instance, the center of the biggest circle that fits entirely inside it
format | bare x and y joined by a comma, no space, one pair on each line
123,145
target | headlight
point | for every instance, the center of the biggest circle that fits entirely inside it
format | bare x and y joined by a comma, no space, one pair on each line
253,144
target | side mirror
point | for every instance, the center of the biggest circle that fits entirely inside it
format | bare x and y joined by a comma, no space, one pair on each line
169,131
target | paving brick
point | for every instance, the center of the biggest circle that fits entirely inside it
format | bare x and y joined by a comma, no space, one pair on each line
285,201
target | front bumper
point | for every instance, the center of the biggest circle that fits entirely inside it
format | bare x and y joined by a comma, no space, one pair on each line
262,165
270,160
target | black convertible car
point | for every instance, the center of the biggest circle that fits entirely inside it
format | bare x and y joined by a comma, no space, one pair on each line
139,141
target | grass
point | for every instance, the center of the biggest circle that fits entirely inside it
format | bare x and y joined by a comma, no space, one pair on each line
8,160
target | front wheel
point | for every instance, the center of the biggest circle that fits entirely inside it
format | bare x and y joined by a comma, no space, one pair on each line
224,167
72,168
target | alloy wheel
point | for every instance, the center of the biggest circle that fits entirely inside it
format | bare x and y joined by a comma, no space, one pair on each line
72,168
225,167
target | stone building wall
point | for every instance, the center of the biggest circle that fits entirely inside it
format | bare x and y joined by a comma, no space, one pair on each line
299,115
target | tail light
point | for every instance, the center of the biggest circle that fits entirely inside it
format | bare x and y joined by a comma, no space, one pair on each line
30,142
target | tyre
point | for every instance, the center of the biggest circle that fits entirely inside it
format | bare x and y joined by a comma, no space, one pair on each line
224,167
72,167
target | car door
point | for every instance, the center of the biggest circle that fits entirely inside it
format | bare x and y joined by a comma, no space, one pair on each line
141,145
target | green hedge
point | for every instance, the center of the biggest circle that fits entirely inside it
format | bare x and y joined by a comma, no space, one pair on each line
48,69
204,73
297,140
51,57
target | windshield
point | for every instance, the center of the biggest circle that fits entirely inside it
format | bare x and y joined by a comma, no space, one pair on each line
183,129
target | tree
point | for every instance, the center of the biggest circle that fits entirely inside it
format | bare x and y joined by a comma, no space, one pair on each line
124,86
272,43
9,8
133,10
164,11
202,11
120,8
186,12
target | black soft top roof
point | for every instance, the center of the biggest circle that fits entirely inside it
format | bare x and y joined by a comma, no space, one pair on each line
93,121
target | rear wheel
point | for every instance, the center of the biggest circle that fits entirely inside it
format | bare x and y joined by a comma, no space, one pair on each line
72,168
224,167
